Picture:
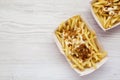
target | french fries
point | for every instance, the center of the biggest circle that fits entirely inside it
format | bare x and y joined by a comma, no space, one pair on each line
107,12
79,43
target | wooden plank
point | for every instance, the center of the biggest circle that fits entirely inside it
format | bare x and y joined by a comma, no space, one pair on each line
27,47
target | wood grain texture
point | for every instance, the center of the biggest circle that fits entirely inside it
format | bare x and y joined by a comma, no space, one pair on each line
28,50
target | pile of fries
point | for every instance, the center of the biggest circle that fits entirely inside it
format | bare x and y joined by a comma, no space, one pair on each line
107,12
79,43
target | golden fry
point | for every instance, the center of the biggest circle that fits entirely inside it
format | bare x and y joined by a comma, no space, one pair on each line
107,12
79,43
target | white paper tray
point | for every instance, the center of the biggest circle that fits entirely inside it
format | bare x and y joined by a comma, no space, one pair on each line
95,17
86,71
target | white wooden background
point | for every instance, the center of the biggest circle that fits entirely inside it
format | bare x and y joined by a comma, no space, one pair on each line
27,47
